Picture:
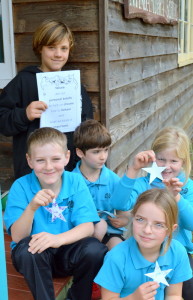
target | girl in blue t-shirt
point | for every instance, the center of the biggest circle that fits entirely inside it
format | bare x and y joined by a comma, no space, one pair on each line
129,268
170,149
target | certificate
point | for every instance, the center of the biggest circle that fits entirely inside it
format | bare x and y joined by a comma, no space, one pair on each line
61,91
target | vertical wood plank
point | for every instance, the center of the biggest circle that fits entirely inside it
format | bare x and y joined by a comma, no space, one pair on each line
104,70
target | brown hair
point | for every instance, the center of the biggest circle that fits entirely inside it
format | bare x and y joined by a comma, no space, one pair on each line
91,134
46,135
166,202
51,32
176,139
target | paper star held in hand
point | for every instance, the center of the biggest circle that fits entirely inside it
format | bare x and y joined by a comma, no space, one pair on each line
158,275
56,211
155,171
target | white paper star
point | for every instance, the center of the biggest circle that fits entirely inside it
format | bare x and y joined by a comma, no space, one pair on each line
56,211
158,275
155,171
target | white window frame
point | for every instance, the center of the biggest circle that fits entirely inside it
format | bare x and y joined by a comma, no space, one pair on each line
7,68
185,56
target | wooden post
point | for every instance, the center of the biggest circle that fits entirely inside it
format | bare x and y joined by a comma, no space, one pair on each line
104,61
3,275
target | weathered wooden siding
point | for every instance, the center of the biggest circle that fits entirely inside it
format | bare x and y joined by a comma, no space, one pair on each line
83,19
147,89
128,67
6,165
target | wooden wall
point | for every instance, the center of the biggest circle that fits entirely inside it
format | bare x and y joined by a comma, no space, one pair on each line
128,67
147,90
83,19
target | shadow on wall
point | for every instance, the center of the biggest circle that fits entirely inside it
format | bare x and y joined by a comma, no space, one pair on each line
1,42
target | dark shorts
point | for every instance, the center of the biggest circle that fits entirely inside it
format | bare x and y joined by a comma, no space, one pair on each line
108,236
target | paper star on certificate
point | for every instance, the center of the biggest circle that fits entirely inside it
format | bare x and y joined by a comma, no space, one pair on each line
158,275
56,211
155,171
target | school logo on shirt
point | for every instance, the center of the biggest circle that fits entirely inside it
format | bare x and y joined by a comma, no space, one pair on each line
70,205
107,195
184,191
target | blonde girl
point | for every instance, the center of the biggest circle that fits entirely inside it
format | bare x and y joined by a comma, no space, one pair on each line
170,149
123,274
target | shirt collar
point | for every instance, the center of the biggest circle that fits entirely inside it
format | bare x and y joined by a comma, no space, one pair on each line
103,177
140,262
66,190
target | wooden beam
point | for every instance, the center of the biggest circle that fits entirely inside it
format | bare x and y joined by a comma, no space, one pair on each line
104,61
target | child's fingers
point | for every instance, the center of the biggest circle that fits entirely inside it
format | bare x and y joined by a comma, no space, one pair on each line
43,105
173,182
47,195
43,198
146,156
151,288
148,290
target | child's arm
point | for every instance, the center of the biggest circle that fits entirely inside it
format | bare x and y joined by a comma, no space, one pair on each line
13,115
23,226
141,160
145,291
174,292
82,215
43,240
100,230
127,190
184,201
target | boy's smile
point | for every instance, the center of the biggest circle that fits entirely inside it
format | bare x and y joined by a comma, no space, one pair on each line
54,57
48,162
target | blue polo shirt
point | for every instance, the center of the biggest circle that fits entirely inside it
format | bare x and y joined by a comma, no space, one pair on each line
74,194
101,191
124,268
132,188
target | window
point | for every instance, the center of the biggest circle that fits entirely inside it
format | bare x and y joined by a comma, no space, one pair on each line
152,11
185,32
7,59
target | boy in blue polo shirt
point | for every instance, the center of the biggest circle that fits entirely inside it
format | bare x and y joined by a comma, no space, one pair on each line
50,215
149,265
92,141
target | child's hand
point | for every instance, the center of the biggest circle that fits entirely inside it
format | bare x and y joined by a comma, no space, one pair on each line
174,186
35,109
42,198
119,221
141,160
146,291
42,241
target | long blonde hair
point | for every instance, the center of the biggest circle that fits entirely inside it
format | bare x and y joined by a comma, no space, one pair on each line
176,139
166,202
